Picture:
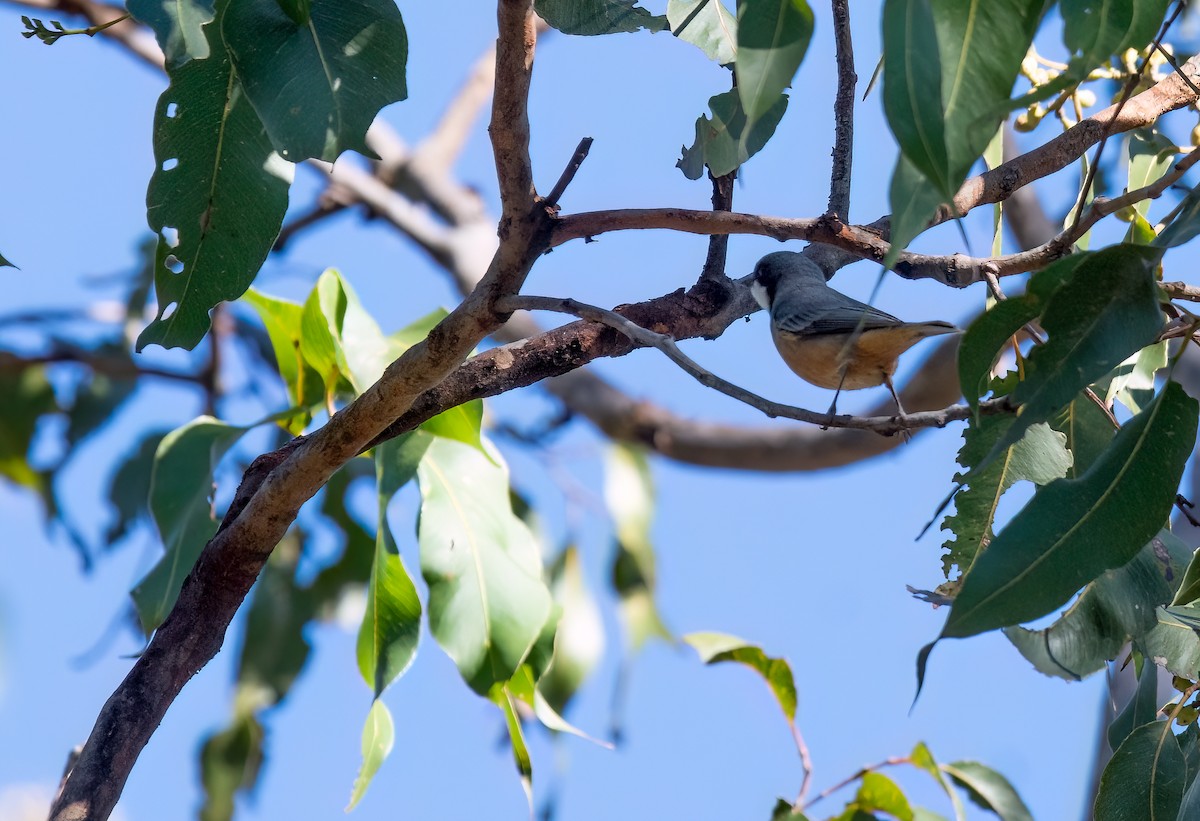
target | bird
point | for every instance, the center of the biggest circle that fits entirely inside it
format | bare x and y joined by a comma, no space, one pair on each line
827,338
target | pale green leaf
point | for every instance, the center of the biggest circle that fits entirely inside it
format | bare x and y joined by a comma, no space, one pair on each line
715,648
772,38
706,24
378,737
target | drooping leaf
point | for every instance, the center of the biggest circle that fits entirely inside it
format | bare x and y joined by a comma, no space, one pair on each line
391,626
589,17
318,85
1040,457
922,758
1074,530
715,648
1142,707
180,490
1145,777
1088,430
216,200
877,792
912,89
772,38
1132,382
129,491
299,10
339,337
1116,607
914,201
283,321
1189,588
523,687
1150,157
378,737
178,27
274,648
487,600
1103,313
503,699
1186,224
706,24
989,790
4,263
727,140
579,637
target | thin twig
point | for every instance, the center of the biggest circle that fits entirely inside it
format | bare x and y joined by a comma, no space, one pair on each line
885,425
718,245
845,782
568,174
843,113
1130,86
805,766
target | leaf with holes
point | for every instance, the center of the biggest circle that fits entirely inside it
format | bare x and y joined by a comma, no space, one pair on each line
487,599
180,490
772,39
178,27
216,200
726,141
591,17
318,85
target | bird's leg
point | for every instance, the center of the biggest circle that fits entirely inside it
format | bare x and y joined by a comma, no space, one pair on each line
833,404
887,380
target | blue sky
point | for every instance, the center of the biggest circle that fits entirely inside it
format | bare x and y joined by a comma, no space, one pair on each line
811,566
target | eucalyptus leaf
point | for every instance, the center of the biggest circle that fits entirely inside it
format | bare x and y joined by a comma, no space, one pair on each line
378,738
216,200
726,141
503,698
579,638
591,17
1174,642
178,27
989,790
283,322
1186,224
1150,157
28,397
318,85
772,38
229,763
715,648
629,495
706,24
1142,707
1145,777
1074,530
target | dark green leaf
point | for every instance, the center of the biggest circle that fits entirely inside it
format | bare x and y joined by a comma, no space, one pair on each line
728,139
989,789
180,490
299,10
216,200
1190,808
706,24
784,811
391,626
1142,707
274,649
178,27
912,89
4,263
1088,430
487,600
229,763
1074,530
1040,457
914,201
1116,607
772,38
129,491
590,17
1189,588
378,737
1186,224
1103,313
318,86
1174,642
1145,777
715,648
1094,30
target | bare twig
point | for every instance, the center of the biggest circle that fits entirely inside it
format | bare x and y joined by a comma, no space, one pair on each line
843,113
568,174
887,425
718,245
1181,290
805,765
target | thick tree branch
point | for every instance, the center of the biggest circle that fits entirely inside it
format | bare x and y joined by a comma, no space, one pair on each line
277,484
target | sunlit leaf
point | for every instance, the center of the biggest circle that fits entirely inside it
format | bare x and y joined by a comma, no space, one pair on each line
178,27
727,140
378,736
317,86
579,638
503,699
339,337
715,648
1150,157
283,321
922,758
772,38
1132,382
706,24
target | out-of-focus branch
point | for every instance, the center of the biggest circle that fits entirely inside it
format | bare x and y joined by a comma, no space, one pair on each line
1023,210
843,113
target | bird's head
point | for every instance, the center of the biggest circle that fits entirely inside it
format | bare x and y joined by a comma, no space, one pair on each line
777,266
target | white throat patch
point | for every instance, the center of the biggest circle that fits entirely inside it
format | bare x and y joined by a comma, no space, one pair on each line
760,295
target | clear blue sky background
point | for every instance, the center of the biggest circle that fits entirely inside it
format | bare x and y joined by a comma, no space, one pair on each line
812,567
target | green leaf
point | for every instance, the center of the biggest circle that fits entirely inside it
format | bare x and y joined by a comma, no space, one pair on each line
178,27
283,322
912,89
414,332
487,599
97,402
1189,588
391,626
579,639
129,490
1174,642
503,699
988,335
1142,707
1190,808
589,17
726,141
1107,310
715,648
299,10
1074,530
1186,224
1150,156
4,263
989,789
915,201
784,811
706,24
1094,30
318,86
462,424
629,494
1040,457
216,200
180,490
772,38
378,737
923,759
274,648
1145,777
1116,607
229,763
1132,382
877,792
339,337
522,687
27,397
1088,430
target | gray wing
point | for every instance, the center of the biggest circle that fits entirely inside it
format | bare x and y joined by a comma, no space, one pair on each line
823,310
